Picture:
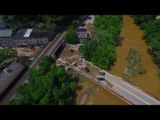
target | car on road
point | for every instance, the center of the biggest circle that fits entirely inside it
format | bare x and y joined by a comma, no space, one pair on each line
101,78
87,69
75,64
102,73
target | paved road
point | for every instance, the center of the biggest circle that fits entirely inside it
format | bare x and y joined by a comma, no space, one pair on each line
104,84
122,89
130,92
56,45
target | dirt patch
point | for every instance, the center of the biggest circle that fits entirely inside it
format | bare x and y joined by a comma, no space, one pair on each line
69,50
25,52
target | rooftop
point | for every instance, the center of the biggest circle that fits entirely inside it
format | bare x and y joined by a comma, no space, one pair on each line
9,74
81,29
27,33
6,33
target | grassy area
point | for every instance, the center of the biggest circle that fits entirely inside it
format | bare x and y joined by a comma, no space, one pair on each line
134,66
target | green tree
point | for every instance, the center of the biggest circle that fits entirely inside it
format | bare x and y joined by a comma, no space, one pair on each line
105,36
6,54
52,86
151,28
104,56
40,21
88,48
71,36
102,51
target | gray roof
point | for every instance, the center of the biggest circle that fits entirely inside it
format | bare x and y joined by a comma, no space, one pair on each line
9,74
6,33
81,30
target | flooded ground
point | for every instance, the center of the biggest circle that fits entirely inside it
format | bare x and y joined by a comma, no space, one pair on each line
132,38
96,94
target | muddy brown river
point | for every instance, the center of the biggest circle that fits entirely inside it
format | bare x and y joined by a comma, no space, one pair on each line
97,95
132,38
149,82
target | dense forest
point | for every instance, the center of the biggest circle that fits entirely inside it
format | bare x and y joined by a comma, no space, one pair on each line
102,51
39,21
64,22
47,85
151,27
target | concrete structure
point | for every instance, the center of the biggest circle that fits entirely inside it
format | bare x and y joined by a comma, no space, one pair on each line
82,33
117,86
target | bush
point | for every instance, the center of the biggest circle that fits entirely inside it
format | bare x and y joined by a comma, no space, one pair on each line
71,36
134,65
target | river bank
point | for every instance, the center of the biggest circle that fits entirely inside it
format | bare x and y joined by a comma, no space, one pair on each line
133,38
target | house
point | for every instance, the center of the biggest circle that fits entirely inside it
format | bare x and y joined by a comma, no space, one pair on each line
86,29
9,74
26,36
82,34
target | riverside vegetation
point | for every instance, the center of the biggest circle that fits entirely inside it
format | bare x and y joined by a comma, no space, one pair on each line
134,66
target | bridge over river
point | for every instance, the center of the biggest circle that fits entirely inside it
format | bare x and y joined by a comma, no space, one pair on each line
117,86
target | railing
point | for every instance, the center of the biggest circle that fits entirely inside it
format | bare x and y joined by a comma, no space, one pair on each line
93,80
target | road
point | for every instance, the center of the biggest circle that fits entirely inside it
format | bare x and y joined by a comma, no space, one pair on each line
46,51
132,93
56,45
117,86
106,86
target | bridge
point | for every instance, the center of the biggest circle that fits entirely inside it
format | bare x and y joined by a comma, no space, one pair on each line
117,86
57,43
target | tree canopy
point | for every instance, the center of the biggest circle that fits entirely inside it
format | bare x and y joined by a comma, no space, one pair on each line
71,36
6,54
151,27
102,51
47,85
38,21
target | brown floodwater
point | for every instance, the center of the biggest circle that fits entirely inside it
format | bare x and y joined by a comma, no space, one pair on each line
132,38
97,96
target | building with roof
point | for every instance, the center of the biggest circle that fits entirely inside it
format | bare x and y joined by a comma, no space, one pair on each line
6,33
82,33
24,36
9,74
86,29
